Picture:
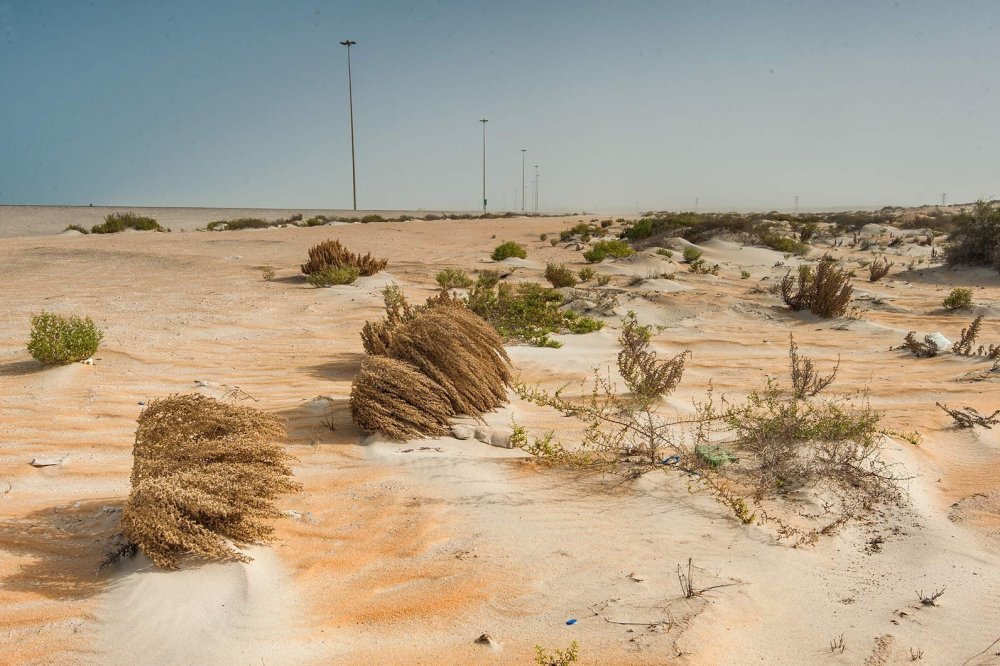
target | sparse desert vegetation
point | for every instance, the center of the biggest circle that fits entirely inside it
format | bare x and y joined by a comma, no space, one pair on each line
117,222
58,340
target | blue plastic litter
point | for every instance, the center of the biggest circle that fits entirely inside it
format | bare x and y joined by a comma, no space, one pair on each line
671,460
572,621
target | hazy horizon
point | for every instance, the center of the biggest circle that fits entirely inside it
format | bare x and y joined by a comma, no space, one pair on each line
625,106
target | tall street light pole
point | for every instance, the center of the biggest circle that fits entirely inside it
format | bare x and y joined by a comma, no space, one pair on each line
536,188
523,150
484,121
350,100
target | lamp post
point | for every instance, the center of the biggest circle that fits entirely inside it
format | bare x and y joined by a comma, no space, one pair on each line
523,151
536,188
484,121
350,100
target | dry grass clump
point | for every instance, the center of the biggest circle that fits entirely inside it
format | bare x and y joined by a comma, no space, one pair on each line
461,352
376,335
825,292
924,349
393,397
332,253
205,475
878,269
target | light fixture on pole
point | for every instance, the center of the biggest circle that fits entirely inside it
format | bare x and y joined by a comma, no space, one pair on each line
523,151
350,100
484,121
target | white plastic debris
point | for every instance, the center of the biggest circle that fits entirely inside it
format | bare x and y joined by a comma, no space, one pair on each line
942,342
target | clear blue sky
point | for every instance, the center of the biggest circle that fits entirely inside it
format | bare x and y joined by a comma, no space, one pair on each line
622,104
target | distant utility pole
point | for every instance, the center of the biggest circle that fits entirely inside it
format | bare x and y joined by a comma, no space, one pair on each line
796,204
484,121
944,197
536,188
523,151
350,100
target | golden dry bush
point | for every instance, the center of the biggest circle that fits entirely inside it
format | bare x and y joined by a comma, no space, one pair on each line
396,399
460,351
375,335
332,253
205,475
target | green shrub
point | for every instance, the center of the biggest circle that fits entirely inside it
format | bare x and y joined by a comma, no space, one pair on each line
960,298
329,276
241,223
553,242
509,249
453,278
368,219
786,244
526,312
601,250
691,255
57,340
605,224
744,275
77,227
488,279
663,252
603,280
976,241
317,221
116,222
586,274
559,276
542,237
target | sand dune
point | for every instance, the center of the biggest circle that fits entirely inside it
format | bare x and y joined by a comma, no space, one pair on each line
407,552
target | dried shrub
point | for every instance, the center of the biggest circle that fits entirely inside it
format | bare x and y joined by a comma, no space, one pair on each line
878,269
332,253
330,276
268,273
959,298
205,473
825,292
509,249
58,340
924,349
376,335
969,335
453,278
969,417
647,377
461,352
559,276
806,380
393,397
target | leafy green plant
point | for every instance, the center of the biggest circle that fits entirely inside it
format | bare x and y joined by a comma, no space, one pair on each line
58,340
581,324
601,250
976,240
557,657
586,274
329,276
542,237
368,219
959,298
786,244
117,222
509,249
488,278
691,255
744,275
664,252
526,312
453,278
559,276
553,242
241,223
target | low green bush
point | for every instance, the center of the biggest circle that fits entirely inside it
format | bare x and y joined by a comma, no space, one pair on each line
786,244
601,250
559,276
77,227
57,340
117,222
329,276
453,278
368,219
960,298
691,255
509,249
241,223
526,312
586,274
